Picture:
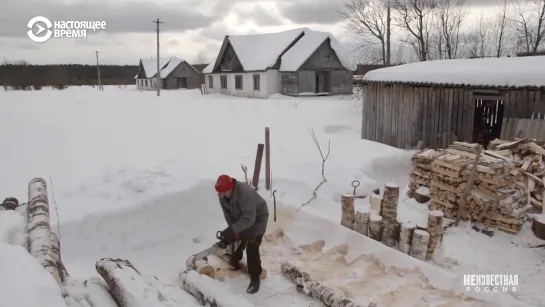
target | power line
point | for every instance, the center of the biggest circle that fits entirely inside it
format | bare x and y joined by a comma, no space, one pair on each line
158,82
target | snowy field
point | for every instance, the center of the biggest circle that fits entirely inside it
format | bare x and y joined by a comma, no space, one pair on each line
131,175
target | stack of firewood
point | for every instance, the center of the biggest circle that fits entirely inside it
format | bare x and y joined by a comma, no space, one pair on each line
529,160
421,174
496,198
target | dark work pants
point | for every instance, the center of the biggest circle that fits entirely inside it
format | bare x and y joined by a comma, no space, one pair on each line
251,244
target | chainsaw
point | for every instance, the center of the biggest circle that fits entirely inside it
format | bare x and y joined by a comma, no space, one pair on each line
223,249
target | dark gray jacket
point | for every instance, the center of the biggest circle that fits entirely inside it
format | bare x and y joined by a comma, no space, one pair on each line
246,211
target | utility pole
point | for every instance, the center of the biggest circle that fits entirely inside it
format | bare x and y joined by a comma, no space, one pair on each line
98,73
388,22
158,79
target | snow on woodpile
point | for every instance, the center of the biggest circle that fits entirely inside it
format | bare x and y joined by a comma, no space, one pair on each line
24,282
307,45
260,51
507,72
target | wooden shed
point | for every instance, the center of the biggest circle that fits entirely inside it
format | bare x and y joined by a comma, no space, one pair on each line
469,100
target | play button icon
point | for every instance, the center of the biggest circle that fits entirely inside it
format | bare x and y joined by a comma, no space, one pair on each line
35,36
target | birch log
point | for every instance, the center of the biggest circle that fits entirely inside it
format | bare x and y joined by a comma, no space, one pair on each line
38,229
435,229
375,227
389,203
348,215
419,244
362,222
209,292
130,289
327,295
56,254
389,233
406,237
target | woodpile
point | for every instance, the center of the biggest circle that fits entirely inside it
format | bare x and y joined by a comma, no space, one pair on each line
529,160
421,173
509,180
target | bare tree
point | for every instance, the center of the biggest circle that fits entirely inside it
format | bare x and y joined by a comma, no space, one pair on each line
366,20
478,39
450,14
528,23
416,18
499,30
201,57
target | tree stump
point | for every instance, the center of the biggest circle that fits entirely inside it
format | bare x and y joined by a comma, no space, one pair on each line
421,225
362,222
375,227
376,201
389,234
435,229
422,195
419,244
389,203
406,237
348,214
10,203
538,226
312,288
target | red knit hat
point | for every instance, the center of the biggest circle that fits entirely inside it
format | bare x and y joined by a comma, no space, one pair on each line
224,184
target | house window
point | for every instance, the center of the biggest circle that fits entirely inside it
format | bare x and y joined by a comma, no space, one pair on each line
223,81
146,83
256,82
210,81
238,82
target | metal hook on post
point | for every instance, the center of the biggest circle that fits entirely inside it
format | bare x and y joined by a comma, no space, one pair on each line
274,202
355,184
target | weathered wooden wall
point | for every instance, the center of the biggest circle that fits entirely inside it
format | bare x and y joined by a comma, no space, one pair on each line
400,115
523,128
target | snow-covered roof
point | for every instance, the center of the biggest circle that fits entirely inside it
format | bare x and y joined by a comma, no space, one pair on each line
307,45
167,65
487,72
260,51
208,69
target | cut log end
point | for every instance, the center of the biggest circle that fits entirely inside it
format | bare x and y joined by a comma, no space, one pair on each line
538,226
204,268
436,213
392,185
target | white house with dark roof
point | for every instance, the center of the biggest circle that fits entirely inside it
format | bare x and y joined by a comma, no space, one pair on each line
175,73
294,62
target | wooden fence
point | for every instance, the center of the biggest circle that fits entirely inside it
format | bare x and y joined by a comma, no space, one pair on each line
523,128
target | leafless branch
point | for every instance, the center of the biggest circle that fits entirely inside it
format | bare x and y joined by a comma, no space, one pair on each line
324,158
449,16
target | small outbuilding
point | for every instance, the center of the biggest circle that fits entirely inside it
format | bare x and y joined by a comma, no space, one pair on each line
175,73
468,100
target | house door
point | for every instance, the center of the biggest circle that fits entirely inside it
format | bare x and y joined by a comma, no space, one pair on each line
182,82
322,82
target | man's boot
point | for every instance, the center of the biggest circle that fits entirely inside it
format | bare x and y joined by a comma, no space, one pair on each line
253,287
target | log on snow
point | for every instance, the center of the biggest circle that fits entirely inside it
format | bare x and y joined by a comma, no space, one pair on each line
210,292
327,295
348,214
91,292
38,229
362,222
538,226
375,227
435,229
419,245
406,237
200,265
10,203
129,288
56,254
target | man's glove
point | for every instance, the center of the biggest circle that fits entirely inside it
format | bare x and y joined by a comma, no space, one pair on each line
229,235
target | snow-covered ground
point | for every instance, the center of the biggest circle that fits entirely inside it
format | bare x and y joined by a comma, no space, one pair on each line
131,175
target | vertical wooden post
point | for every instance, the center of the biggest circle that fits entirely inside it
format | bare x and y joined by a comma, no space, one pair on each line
257,166
267,158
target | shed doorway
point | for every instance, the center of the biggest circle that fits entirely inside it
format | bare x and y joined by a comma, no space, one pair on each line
182,82
487,119
322,82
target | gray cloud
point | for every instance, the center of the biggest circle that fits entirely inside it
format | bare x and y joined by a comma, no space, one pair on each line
258,14
127,17
312,11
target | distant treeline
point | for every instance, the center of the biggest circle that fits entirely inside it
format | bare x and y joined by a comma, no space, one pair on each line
23,76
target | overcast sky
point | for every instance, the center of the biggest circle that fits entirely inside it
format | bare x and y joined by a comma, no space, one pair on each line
189,26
